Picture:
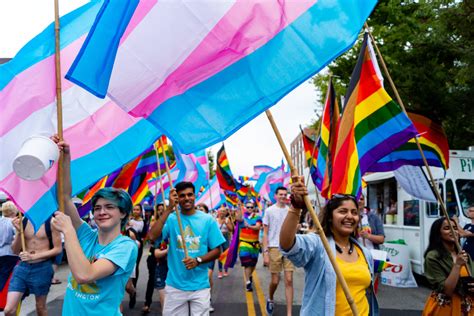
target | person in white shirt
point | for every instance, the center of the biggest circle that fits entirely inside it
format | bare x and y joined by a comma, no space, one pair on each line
272,257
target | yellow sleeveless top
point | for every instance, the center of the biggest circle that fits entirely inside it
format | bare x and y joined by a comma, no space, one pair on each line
357,276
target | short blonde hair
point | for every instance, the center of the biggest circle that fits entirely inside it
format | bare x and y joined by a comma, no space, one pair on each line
9,209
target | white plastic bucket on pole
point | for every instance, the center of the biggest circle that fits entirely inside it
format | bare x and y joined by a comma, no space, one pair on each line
37,154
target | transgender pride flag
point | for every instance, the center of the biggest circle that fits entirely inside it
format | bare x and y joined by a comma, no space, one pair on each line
102,136
201,69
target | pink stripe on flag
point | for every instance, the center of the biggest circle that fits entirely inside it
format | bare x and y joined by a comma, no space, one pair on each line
141,11
85,137
35,88
240,32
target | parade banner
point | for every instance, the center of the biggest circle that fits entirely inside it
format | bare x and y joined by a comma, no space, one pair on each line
400,274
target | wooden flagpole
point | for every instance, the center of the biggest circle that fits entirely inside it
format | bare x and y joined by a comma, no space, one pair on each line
160,179
59,105
178,216
425,162
310,208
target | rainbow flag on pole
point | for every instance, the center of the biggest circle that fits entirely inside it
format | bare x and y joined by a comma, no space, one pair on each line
371,127
329,127
224,62
433,141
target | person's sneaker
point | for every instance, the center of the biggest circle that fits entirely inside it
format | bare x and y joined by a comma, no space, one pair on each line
226,274
248,286
219,275
211,308
270,306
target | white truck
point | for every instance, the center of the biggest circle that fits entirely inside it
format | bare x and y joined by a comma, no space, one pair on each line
410,219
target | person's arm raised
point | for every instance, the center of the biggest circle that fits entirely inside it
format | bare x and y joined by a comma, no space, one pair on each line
290,225
157,228
69,207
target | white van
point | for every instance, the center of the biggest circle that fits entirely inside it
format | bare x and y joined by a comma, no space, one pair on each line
408,218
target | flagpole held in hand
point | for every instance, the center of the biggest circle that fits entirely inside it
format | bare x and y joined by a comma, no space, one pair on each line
59,106
319,228
160,179
178,216
425,162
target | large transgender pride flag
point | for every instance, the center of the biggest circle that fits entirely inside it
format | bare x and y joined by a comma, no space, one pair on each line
200,70
102,136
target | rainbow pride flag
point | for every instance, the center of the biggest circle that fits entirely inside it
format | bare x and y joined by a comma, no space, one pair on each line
326,146
372,126
102,136
311,155
224,63
223,172
433,141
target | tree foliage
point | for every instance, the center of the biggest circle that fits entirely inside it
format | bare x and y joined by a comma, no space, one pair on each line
428,49
210,159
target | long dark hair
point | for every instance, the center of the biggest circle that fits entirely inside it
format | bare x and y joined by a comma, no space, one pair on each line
326,213
435,241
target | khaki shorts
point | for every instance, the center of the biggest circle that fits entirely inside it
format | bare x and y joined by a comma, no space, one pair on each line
278,262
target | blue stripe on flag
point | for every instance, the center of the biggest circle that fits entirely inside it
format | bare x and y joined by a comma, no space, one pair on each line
101,47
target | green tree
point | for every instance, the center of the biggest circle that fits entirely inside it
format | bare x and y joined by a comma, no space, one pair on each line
210,159
428,49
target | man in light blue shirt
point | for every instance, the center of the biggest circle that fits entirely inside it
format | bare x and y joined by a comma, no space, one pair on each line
187,284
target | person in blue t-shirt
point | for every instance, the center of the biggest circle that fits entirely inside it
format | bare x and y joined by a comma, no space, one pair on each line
102,260
187,284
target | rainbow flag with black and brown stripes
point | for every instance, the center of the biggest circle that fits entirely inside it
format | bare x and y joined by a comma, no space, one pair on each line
329,127
311,154
223,173
372,126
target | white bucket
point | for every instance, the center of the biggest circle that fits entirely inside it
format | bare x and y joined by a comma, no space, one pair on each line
36,156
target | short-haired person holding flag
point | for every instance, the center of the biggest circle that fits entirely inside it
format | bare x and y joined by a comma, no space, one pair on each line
323,294
187,284
102,260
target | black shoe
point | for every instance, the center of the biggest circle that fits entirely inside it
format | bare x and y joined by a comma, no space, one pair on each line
248,286
133,300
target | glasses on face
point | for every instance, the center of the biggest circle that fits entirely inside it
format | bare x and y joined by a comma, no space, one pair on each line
106,207
250,207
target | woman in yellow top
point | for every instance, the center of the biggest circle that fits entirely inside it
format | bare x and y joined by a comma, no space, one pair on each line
323,294
446,271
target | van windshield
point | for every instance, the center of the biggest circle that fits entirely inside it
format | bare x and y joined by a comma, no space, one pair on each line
466,193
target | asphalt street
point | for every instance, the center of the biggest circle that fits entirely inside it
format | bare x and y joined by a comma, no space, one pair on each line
230,298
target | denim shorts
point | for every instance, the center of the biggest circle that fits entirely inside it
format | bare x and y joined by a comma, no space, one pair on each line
161,273
34,278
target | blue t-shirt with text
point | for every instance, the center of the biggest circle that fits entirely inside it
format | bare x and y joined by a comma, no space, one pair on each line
101,297
202,234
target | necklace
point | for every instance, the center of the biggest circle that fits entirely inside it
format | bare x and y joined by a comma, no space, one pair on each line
351,248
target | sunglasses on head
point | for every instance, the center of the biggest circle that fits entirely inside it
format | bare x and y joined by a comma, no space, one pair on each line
343,196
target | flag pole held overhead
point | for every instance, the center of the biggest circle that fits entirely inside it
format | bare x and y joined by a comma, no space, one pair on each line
161,180
178,215
319,228
59,105
425,162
